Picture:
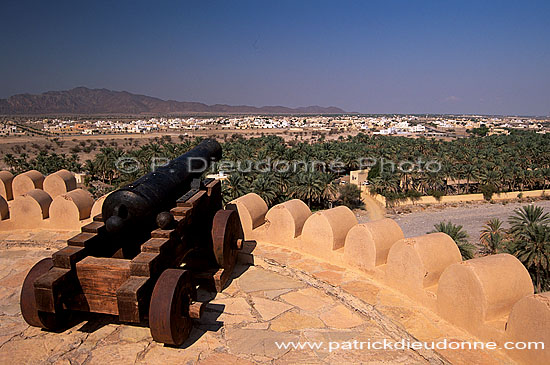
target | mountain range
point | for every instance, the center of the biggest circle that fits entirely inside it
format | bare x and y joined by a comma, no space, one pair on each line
82,100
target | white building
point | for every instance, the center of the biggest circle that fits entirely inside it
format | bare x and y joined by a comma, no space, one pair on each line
7,130
419,128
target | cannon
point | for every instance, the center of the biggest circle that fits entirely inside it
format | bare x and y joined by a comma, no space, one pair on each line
143,257
135,204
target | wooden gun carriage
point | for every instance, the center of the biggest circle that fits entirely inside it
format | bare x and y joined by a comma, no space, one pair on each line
145,262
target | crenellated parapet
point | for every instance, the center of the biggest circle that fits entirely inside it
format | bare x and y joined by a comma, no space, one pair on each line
368,244
27,181
491,297
529,321
31,200
416,264
324,232
478,294
60,182
6,183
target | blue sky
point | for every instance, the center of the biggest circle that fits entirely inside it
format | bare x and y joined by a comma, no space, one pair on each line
414,56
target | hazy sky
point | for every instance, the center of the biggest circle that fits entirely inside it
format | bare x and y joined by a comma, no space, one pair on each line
409,56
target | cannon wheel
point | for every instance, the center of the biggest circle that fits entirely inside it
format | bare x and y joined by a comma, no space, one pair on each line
226,233
27,301
169,319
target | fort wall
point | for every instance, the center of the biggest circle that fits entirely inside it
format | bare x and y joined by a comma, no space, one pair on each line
491,297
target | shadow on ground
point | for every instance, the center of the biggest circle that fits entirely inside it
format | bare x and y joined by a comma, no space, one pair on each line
92,322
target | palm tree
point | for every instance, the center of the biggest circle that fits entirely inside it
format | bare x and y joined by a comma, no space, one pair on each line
492,177
459,236
493,236
532,248
102,162
470,173
143,160
448,172
350,196
433,181
264,185
154,150
328,190
496,243
170,150
527,216
105,163
387,182
236,186
11,161
306,187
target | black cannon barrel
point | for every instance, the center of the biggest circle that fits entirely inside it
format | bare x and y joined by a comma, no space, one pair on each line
138,203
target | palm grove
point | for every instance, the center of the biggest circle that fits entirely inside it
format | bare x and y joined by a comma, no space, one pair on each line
488,165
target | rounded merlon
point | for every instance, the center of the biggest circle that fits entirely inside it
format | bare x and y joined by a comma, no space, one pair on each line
67,210
367,245
326,230
60,182
252,210
30,209
26,182
6,182
475,291
529,321
4,209
286,220
98,205
418,262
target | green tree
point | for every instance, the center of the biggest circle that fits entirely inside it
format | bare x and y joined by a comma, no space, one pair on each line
234,187
493,236
264,185
459,236
525,217
350,196
481,131
307,187
328,190
532,247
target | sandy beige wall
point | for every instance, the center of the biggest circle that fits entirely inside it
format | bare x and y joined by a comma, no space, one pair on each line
59,182
367,245
464,198
480,290
43,203
69,209
4,209
252,210
6,179
480,295
286,220
529,321
27,181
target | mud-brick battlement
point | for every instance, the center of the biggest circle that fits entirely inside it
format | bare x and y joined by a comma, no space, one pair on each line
491,297
33,201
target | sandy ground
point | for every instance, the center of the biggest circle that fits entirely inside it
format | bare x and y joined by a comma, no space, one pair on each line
471,217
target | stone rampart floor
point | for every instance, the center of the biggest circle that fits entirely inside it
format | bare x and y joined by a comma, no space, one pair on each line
283,297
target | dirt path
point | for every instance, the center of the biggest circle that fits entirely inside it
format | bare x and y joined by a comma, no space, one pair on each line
374,209
472,218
